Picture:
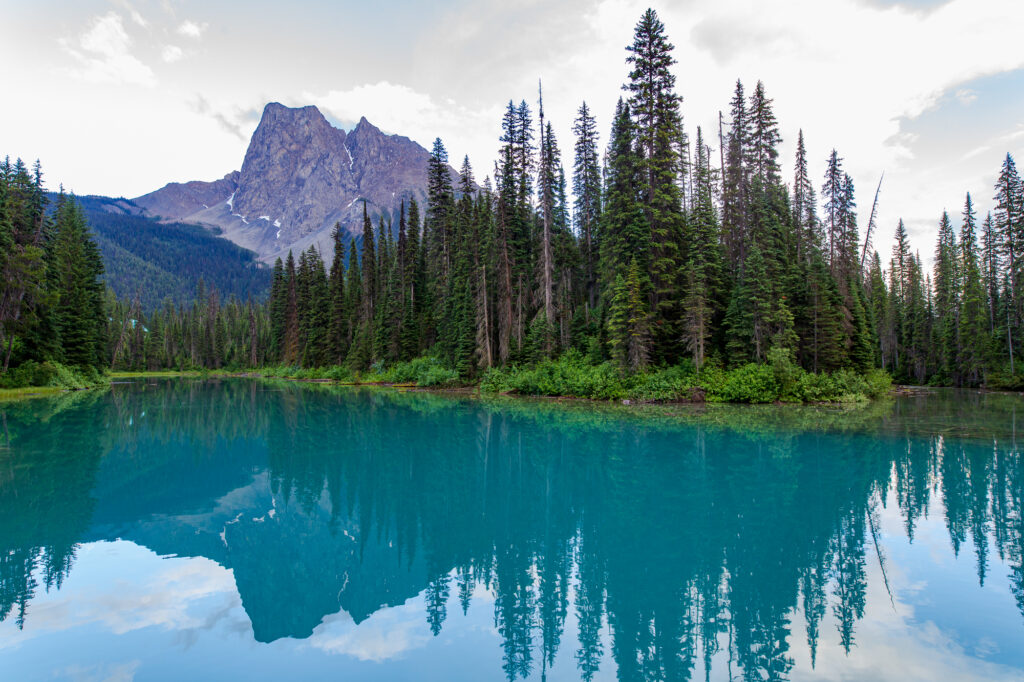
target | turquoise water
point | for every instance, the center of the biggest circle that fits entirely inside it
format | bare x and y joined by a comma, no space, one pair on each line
240,529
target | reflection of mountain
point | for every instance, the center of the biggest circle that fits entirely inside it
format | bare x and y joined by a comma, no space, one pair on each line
677,537
325,569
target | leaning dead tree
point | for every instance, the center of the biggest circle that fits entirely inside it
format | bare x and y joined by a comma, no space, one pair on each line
871,223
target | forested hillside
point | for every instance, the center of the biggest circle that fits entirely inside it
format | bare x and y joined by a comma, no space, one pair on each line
154,261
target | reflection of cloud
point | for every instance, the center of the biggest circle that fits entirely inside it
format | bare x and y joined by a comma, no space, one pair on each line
111,672
103,54
385,635
894,641
163,598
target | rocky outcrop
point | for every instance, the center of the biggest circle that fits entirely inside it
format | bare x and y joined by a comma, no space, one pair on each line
300,177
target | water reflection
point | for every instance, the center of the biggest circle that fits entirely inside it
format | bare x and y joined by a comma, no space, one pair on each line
694,540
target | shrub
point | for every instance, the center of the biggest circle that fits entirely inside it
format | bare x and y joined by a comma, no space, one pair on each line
787,373
570,375
815,388
665,384
850,386
51,374
750,383
879,383
436,375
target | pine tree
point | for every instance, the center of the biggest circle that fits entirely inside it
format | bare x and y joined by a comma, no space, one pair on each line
440,206
77,266
804,202
947,288
833,194
736,184
654,105
368,265
763,160
278,308
990,270
699,313
629,321
625,233
749,317
547,179
338,323
586,188
291,348
971,332
1009,226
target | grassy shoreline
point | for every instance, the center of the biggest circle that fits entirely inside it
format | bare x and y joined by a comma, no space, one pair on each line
571,377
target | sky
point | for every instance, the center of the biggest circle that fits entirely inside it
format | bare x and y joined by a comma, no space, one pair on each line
119,97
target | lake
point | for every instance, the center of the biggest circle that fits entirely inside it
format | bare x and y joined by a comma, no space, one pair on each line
192,529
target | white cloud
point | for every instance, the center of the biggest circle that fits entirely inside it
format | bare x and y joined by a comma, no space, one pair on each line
966,96
103,53
191,29
133,13
171,54
399,109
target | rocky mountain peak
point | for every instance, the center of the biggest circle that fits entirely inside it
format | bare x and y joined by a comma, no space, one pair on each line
299,177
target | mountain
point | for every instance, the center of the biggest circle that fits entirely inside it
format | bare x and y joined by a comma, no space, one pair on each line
155,260
300,176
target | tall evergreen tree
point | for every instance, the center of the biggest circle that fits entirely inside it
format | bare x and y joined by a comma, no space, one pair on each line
655,106
586,188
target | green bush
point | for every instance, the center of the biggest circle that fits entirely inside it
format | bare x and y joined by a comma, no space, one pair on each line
878,382
787,373
672,383
750,383
51,374
569,375
816,388
437,376
422,371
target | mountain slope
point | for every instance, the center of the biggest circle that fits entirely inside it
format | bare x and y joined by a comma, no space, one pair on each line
299,177
154,260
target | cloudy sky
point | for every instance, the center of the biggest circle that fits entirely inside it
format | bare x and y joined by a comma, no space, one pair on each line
120,97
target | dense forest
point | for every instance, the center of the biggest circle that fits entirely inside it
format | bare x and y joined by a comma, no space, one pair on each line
660,259
154,261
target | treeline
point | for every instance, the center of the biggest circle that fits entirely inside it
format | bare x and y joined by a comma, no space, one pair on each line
661,258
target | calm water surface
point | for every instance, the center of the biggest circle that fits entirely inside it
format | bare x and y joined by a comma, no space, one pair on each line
189,530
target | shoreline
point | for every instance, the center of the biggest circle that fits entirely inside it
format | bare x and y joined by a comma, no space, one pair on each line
8,395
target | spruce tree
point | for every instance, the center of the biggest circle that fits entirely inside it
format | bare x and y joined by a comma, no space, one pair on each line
629,321
586,188
338,322
655,107
972,339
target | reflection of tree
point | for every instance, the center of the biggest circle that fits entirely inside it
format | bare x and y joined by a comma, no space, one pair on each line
50,458
669,538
